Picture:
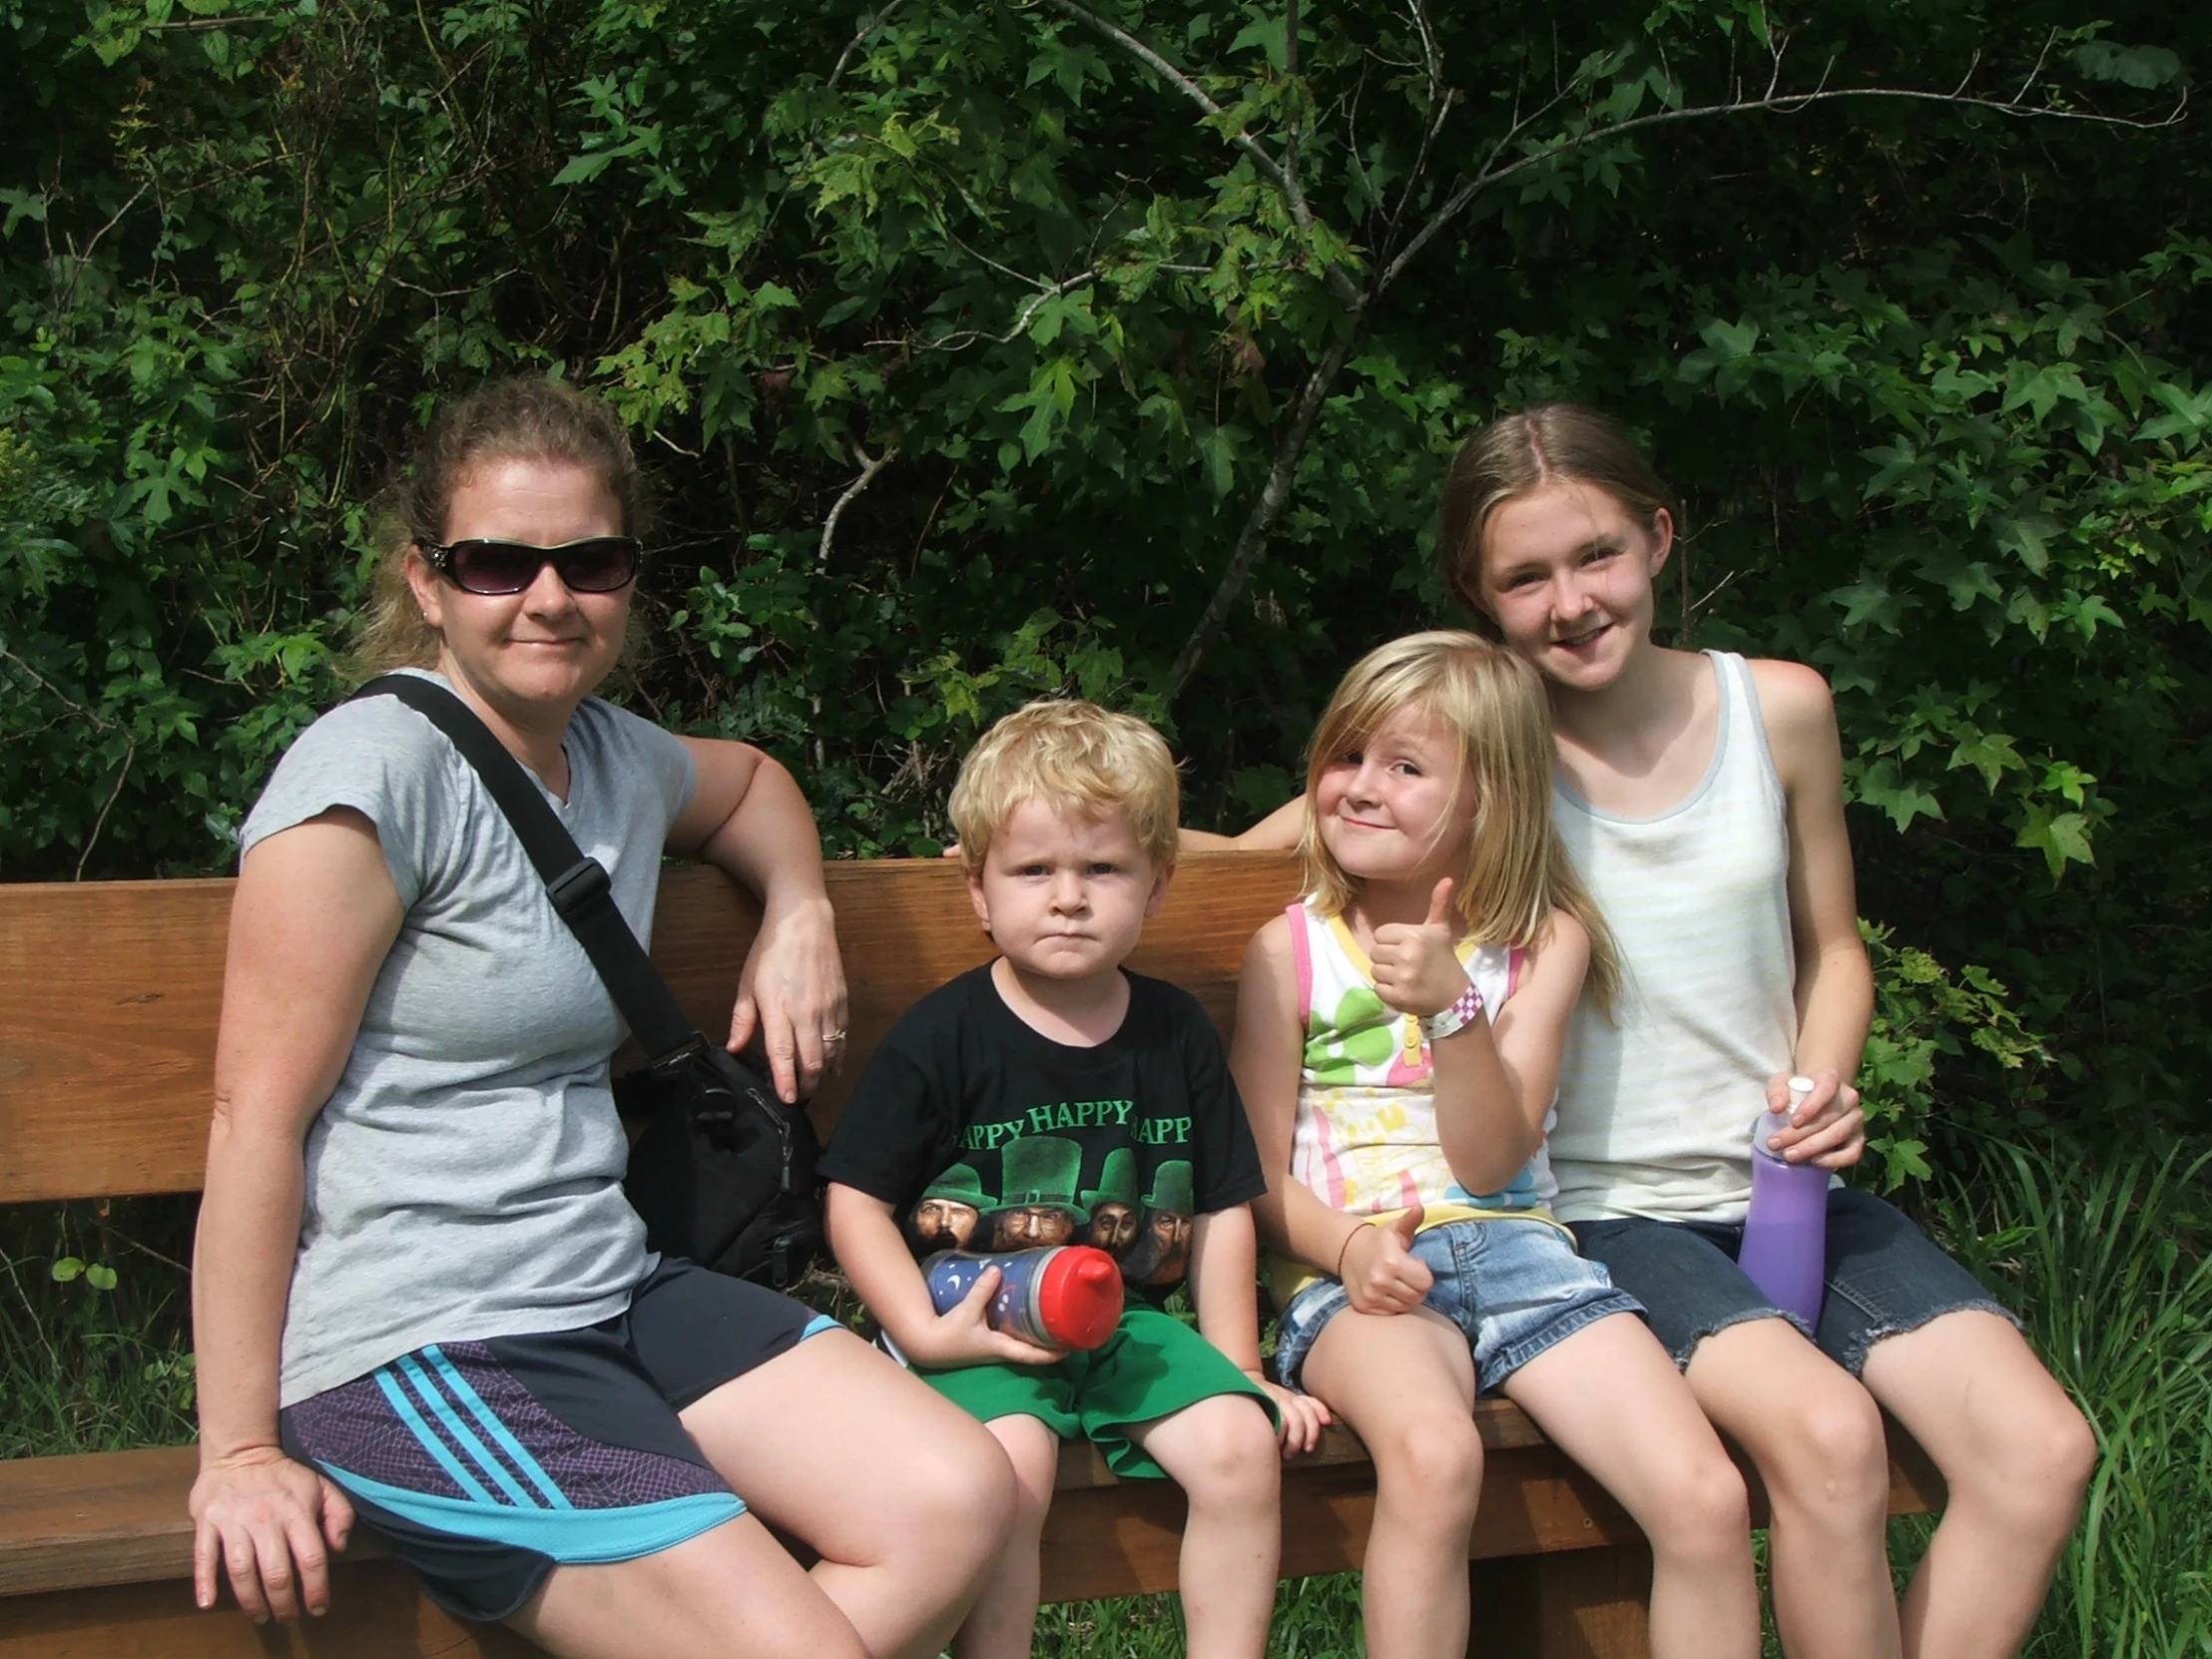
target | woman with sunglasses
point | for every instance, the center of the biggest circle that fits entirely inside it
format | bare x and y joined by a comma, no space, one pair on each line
421,1298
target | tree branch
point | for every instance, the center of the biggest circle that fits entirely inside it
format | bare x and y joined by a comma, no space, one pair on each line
1274,497
130,754
869,26
870,467
1341,284
1771,101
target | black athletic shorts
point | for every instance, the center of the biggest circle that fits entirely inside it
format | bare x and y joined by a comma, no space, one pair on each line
485,1464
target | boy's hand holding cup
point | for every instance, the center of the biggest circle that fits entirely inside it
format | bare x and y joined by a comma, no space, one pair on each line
964,1335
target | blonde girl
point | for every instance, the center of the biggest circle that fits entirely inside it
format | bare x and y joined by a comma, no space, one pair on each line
1398,1041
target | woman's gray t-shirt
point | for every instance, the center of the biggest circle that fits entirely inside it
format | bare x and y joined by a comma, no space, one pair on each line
465,1179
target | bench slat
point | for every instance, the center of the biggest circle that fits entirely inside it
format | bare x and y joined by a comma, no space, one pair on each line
107,1030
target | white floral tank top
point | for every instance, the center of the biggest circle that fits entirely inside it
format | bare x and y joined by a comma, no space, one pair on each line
1365,1139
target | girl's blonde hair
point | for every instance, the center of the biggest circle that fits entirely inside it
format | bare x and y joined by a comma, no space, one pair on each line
518,419
1493,703
1514,454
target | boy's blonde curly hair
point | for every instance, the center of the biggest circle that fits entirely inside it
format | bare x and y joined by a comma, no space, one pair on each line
1075,757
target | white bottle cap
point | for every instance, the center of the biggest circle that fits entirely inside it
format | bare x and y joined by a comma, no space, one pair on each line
1800,1089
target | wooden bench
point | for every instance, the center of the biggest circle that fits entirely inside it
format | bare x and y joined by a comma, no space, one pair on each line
108,1000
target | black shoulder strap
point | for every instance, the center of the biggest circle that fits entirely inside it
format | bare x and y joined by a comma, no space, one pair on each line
577,886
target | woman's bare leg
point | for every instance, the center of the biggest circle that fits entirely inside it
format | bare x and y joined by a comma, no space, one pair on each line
1004,1620
1614,1402
1222,1453
2016,1456
1815,1436
906,1498
730,1591
1405,1385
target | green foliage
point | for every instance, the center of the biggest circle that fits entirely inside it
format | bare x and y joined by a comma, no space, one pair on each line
1093,397
1924,1015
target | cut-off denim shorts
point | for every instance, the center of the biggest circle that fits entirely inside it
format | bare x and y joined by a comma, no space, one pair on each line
1885,1277
1515,1287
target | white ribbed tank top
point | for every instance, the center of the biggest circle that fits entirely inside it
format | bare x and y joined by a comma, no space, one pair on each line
1656,1105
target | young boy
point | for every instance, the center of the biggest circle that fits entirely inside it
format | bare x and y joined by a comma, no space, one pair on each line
1053,1098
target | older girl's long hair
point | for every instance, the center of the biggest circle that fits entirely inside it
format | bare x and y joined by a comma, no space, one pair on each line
1493,703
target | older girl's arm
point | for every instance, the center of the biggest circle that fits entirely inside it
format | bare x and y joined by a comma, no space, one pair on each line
311,920
1531,1029
748,817
1835,985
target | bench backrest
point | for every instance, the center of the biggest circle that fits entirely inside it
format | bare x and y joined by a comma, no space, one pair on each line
109,994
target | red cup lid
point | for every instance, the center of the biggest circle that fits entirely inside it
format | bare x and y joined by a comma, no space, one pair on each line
1079,1296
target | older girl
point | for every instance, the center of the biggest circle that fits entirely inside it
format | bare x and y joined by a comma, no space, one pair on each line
421,1298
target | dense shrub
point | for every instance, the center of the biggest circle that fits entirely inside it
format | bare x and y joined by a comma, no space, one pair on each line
1930,375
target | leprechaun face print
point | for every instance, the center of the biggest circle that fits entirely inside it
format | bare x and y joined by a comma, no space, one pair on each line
984,1135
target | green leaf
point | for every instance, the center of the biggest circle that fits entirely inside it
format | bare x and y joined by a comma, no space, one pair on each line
1989,753
1266,32
2062,837
2146,67
582,169
64,1269
99,1277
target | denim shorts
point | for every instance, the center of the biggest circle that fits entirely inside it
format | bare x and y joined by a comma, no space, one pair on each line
1885,1277
1515,1287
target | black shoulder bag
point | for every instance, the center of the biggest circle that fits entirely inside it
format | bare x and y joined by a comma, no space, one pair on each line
724,1173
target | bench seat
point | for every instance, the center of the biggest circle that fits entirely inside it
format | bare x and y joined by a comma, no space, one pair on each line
96,1551
108,998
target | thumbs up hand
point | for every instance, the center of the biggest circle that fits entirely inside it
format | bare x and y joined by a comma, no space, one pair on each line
1381,1275
1417,971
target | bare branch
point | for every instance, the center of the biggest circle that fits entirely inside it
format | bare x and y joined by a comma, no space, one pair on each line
1771,101
55,692
870,467
2050,40
1259,522
1439,106
869,26
1268,167
130,754
1339,281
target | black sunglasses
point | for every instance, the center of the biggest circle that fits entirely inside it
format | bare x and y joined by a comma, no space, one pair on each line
597,564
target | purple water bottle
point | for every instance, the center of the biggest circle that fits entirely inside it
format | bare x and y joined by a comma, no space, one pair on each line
1785,1250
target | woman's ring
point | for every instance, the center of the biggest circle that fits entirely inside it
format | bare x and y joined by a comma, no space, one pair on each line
837,1036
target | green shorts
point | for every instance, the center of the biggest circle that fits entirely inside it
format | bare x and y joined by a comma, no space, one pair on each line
1153,1366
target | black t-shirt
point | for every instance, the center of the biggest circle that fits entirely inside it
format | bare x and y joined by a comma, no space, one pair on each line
983,1134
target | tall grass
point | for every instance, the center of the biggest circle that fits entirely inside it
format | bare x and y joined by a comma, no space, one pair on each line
2111,1269
95,1350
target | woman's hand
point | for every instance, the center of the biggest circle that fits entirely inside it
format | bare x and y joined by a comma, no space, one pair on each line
1303,1417
792,993
1417,965
1381,1273
1827,1129
264,1519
